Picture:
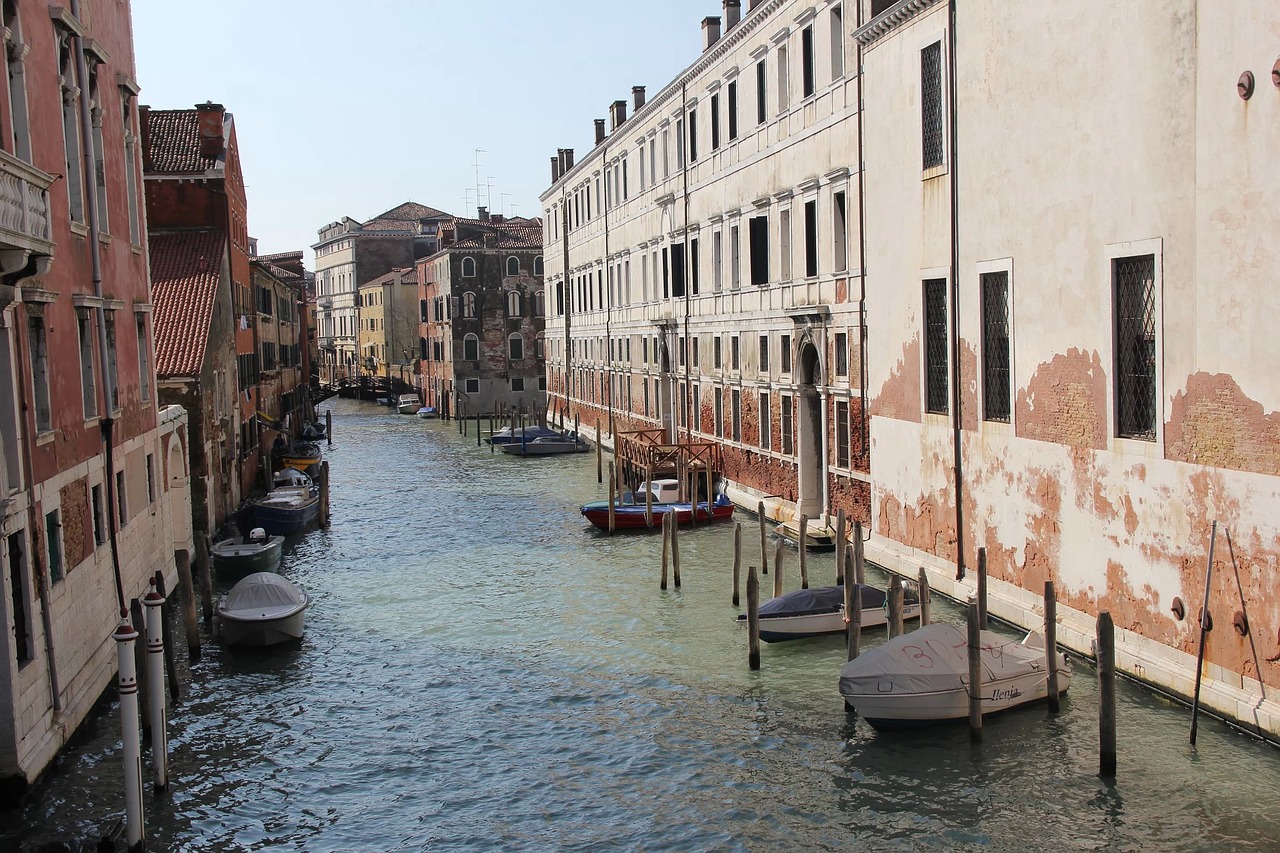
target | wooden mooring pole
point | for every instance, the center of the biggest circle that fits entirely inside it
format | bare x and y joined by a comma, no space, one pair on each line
982,588
324,493
328,426
777,570
859,561
1050,644
764,548
599,455
477,429
753,618
1206,623
840,523
1106,695
804,546
975,671
895,607
666,547
675,549
737,558
923,583
613,491
206,579
187,589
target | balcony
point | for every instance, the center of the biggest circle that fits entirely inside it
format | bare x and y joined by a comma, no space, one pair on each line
26,244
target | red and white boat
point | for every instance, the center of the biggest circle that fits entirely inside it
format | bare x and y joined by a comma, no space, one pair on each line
632,512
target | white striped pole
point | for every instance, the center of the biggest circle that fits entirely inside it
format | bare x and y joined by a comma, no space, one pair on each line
155,677
127,681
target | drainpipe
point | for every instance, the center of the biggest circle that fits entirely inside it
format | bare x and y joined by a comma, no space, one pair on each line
567,284
956,395
863,377
608,304
95,258
688,271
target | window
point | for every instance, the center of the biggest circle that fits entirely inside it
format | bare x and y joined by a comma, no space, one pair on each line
784,242
842,434
837,43
717,262
715,122
98,145
624,178
733,352
513,265
513,303
764,354
1133,283
717,413
935,332
806,61
842,354
14,65
785,350
472,386
53,542
680,143
469,305
735,258
70,104
759,235
693,265
515,347
112,375
811,238
39,352
677,270
995,346
735,413
517,383
787,426
761,93
122,503
539,304
537,265
470,348
152,494
931,104
540,346
468,267
696,421
20,595
732,105
88,387
764,421
715,352
840,231
99,521
784,81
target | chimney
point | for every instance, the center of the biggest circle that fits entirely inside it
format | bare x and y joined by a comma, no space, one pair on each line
482,213
753,5
710,32
618,113
568,160
637,97
209,117
555,169
599,130
732,14
144,128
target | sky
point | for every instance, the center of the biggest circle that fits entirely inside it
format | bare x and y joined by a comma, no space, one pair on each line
350,108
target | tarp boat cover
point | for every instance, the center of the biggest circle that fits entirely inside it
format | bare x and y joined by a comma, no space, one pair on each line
263,595
934,659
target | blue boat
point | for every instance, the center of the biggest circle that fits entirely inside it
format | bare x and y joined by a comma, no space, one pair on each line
290,507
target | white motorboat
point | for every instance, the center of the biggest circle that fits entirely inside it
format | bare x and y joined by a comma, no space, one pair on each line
408,404
546,445
262,610
922,677
804,613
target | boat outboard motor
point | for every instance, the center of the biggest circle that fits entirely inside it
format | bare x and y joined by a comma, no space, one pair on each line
257,534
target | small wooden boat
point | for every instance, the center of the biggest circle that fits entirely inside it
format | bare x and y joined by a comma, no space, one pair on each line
427,412
290,507
263,609
408,404
922,677
303,455
804,613
313,431
507,435
237,556
817,536
630,512
546,445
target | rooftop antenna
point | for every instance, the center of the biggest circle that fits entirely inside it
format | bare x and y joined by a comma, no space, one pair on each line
488,196
502,197
478,152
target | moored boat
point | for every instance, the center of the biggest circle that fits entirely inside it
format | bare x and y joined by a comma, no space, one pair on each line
804,613
427,412
631,512
238,556
408,404
922,677
303,455
290,507
546,445
263,609
507,435
817,536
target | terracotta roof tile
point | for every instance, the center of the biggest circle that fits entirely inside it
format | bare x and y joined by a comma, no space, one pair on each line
410,211
186,269
175,143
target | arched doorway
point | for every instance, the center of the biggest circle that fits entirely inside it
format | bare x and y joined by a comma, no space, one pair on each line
811,438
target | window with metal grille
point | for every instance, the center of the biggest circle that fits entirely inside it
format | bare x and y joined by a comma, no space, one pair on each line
931,104
786,353
765,416
19,595
842,434
1133,280
787,426
995,346
842,354
935,335
735,407
764,354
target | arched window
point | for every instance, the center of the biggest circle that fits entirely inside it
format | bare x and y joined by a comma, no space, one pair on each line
468,267
539,304
470,348
515,347
540,346
537,265
469,305
513,265
513,303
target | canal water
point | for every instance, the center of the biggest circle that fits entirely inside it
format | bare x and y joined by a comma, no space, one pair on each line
481,671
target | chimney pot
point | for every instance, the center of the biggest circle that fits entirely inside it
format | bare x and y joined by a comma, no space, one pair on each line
555,169
710,31
568,160
482,213
209,119
732,14
637,97
599,130
617,113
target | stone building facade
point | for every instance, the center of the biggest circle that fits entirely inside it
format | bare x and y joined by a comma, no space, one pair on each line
1054,348
387,308
93,482
482,308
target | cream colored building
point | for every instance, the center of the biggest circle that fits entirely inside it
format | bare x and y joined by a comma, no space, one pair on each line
1064,220
387,319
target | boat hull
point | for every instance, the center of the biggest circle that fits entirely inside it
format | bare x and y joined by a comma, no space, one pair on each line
633,517
281,519
238,631
780,629
907,710
816,537
543,447
233,560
